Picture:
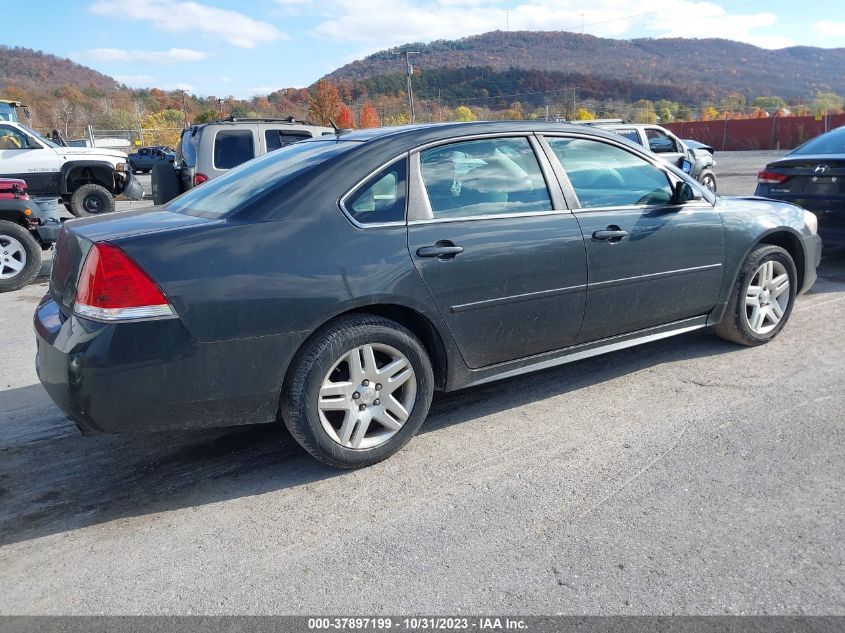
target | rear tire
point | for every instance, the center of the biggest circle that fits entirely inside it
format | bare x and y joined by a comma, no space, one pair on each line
165,183
351,413
91,199
760,302
20,256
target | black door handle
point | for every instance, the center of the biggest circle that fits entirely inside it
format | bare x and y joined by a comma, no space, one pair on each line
611,234
440,250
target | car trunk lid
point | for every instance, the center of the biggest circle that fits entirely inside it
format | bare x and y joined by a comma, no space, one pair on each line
77,237
815,175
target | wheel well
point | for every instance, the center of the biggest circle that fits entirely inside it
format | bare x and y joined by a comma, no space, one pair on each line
89,174
791,245
422,328
419,325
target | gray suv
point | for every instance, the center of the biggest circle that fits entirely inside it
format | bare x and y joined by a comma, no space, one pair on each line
211,149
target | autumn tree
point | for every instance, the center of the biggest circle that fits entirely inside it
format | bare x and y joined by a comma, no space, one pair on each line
163,128
827,103
769,103
368,116
345,118
583,114
325,103
463,113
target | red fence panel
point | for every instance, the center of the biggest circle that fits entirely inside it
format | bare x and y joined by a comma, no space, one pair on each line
748,134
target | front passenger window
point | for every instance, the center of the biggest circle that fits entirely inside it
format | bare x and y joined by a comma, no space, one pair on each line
605,175
10,138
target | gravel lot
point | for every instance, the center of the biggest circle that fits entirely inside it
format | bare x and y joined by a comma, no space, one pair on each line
686,476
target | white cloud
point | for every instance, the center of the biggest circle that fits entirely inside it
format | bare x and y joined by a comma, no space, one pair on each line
136,81
369,23
181,17
181,86
829,28
173,56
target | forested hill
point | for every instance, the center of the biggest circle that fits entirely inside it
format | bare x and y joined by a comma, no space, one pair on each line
28,69
714,66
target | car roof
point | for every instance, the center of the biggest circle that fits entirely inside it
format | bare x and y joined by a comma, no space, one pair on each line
413,135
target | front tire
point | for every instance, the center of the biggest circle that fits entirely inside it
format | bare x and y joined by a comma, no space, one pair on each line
358,392
20,256
708,179
762,298
91,200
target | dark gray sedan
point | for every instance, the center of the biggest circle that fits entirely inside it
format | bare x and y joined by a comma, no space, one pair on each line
812,176
336,283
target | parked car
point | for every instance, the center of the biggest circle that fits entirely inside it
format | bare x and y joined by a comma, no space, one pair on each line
86,179
812,176
10,110
696,145
211,149
669,147
336,283
25,230
148,157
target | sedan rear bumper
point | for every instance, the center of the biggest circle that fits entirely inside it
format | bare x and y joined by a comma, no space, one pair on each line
151,375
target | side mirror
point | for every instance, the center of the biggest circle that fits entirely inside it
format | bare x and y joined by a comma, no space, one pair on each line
685,192
684,164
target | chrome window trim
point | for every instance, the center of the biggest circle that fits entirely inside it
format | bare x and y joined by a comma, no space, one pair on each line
341,203
420,211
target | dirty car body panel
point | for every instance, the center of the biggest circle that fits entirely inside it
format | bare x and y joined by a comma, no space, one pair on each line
254,263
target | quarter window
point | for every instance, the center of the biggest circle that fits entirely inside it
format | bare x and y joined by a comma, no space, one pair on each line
605,175
233,147
631,135
381,198
485,177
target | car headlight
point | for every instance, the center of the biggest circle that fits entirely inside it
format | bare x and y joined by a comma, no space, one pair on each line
811,222
120,167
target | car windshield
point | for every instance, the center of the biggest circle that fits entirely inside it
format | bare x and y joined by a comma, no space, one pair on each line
831,143
42,139
245,183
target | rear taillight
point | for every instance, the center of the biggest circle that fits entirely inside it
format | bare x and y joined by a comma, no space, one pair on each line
199,179
112,287
770,178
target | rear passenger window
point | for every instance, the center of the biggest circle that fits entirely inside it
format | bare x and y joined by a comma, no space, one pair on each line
279,138
487,177
605,175
233,147
631,135
382,197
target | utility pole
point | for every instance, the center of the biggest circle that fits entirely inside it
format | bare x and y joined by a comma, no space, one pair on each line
184,112
410,89
439,108
507,20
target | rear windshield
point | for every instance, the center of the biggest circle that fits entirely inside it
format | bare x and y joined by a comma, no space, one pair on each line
831,143
245,184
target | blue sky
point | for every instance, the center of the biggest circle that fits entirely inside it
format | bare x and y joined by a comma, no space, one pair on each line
226,47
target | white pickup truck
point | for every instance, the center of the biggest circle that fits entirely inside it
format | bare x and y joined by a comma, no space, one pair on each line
86,179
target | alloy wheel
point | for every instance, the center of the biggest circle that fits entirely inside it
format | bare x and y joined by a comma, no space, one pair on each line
767,297
367,396
12,257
